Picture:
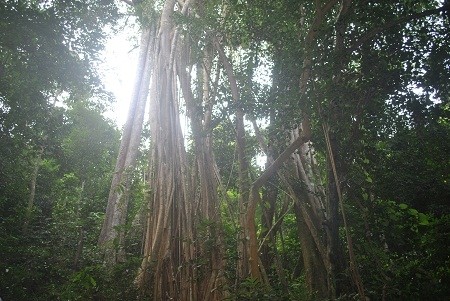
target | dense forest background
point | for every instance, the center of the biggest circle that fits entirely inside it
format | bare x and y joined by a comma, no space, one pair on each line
346,104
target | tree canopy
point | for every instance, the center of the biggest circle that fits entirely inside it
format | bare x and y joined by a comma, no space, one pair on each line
345,102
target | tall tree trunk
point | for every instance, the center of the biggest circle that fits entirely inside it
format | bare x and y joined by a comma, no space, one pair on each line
309,212
245,259
308,202
268,246
334,168
112,237
29,210
269,198
332,225
171,268
207,214
81,232
314,269
257,270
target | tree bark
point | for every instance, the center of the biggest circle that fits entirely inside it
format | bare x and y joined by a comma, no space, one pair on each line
245,261
175,245
207,213
112,237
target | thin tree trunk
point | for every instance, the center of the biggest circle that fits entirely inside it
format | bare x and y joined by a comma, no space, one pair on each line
112,236
335,199
80,245
80,241
30,203
269,198
244,257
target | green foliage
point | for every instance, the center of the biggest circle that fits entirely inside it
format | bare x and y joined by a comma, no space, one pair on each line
82,285
389,119
421,181
67,210
96,282
252,290
399,253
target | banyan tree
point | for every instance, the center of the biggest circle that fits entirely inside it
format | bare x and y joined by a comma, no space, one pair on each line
202,61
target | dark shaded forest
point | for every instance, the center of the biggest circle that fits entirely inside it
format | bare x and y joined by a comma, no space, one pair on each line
273,150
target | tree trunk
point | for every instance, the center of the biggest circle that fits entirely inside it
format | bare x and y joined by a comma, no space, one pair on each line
314,270
332,225
207,214
81,232
334,168
247,264
269,198
309,212
175,244
30,204
112,236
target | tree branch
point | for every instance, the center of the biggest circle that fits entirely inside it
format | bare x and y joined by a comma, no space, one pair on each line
129,2
368,36
278,162
304,137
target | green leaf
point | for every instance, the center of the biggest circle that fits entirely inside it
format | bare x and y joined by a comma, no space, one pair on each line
423,219
403,206
413,211
93,282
